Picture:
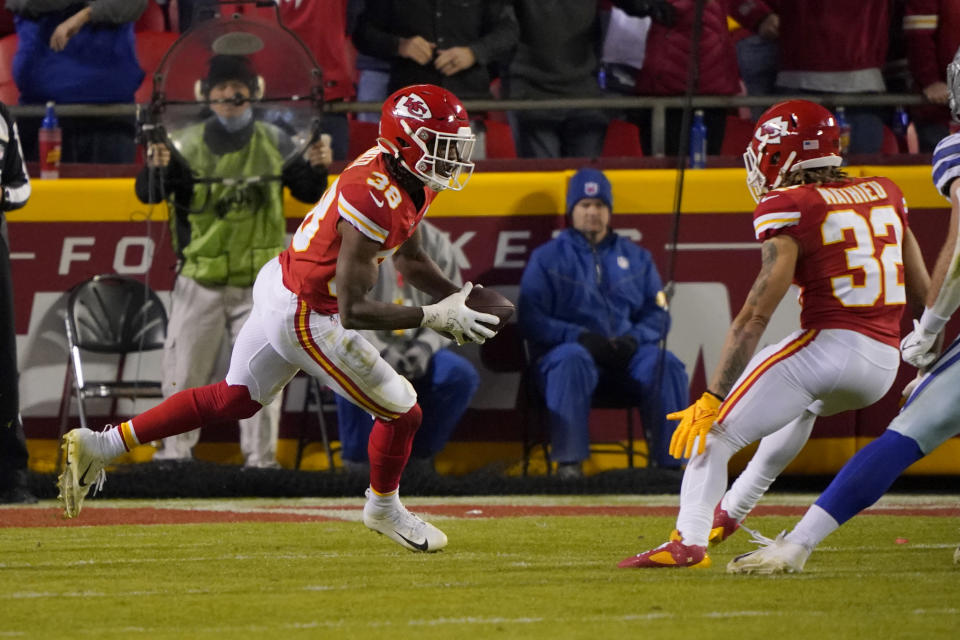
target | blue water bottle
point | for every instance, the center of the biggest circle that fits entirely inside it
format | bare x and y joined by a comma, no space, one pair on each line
698,141
900,125
844,126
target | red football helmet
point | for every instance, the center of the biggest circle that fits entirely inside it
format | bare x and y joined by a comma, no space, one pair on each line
791,135
427,129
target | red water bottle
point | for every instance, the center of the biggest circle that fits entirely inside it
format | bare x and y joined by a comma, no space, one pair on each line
50,145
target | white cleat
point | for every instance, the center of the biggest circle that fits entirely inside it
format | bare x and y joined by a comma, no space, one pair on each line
956,556
83,469
774,556
403,527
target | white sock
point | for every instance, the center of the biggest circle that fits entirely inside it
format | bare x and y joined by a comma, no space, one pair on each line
384,503
815,525
702,488
773,455
111,443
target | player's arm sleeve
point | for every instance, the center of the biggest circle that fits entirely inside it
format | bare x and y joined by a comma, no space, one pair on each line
946,163
16,182
306,183
947,269
500,33
536,304
651,319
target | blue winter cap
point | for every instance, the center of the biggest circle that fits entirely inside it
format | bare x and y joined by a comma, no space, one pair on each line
589,183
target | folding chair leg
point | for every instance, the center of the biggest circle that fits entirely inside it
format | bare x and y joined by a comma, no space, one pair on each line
64,412
322,420
302,436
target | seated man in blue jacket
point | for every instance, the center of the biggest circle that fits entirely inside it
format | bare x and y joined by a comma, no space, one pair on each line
593,310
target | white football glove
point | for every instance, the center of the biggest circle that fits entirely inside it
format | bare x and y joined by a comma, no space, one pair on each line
453,316
917,347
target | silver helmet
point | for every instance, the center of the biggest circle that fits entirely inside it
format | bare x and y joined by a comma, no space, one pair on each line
953,83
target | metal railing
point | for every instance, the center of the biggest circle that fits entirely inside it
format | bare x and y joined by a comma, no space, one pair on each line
657,105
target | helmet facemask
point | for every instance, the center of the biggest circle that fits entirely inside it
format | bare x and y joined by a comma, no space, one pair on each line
757,178
445,160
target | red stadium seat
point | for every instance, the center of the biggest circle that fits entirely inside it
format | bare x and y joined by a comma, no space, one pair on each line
9,94
736,136
152,19
151,47
363,135
890,145
499,140
622,140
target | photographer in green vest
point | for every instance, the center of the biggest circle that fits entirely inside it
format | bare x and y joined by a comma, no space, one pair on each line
224,184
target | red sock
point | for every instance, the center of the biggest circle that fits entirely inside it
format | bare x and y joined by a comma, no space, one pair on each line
194,408
389,449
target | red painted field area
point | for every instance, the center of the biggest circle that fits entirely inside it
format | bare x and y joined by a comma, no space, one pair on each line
103,515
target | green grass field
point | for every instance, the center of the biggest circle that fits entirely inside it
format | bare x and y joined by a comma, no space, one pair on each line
543,576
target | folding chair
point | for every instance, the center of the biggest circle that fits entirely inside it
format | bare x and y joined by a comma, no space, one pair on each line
110,314
322,397
511,353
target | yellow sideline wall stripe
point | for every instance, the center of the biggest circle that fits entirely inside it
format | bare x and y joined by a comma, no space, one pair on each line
488,194
820,456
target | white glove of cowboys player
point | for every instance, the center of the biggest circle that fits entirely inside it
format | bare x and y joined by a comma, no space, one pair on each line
453,316
917,347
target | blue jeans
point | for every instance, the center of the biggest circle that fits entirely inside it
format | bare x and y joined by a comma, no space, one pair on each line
444,393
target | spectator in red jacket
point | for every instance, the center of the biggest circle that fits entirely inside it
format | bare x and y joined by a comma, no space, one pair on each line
828,46
932,32
322,25
669,48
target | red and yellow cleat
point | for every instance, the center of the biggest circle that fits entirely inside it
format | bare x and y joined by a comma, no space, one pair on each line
723,526
673,554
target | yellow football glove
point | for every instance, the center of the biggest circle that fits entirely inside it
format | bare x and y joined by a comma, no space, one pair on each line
695,420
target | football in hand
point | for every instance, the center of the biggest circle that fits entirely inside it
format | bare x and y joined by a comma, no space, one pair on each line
489,301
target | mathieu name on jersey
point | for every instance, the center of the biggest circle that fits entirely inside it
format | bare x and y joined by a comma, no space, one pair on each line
850,267
364,195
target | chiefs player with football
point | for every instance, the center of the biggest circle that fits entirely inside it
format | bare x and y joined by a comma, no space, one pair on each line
309,302
845,242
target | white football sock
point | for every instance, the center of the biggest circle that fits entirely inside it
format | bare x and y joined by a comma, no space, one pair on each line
775,452
702,487
111,442
379,503
815,525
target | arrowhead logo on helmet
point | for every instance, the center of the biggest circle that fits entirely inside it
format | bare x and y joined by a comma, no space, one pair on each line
413,106
771,130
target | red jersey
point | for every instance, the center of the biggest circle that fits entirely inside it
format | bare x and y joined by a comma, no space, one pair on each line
364,195
932,32
826,35
850,267
322,25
